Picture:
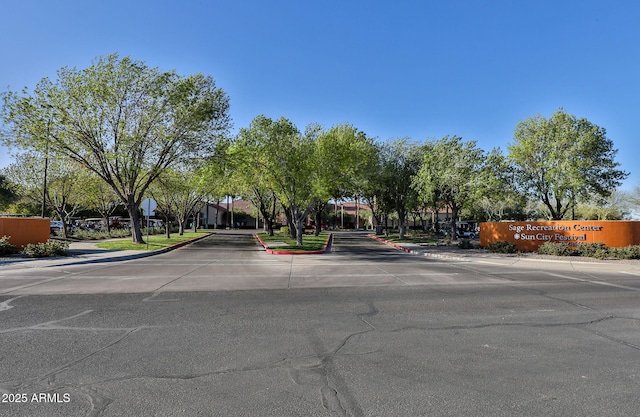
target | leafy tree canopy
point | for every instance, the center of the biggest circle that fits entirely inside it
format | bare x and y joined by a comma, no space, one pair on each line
564,160
121,119
451,171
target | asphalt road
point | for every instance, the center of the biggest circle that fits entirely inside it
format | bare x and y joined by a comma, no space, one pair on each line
220,328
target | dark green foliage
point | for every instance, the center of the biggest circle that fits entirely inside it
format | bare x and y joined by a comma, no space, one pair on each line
49,248
502,247
7,192
465,244
564,160
593,250
590,250
628,252
555,249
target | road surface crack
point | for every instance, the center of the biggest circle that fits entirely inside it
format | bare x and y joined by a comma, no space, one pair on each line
505,324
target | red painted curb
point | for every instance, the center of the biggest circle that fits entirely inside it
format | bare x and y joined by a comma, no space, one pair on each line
282,252
390,243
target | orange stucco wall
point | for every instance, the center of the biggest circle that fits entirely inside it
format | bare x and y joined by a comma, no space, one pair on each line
25,230
529,236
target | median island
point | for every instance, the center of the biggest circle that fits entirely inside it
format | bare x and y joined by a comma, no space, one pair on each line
155,242
282,244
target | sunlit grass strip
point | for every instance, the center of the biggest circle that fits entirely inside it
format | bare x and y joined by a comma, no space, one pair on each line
156,242
310,243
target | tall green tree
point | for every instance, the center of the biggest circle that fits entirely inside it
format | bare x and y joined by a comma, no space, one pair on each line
8,193
284,157
65,192
564,160
401,161
162,191
121,119
293,168
374,189
497,195
246,163
342,159
451,170
180,191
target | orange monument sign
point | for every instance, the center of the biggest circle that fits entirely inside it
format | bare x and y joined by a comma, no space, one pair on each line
529,236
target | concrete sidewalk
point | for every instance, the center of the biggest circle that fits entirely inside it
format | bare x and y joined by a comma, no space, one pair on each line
79,252
87,252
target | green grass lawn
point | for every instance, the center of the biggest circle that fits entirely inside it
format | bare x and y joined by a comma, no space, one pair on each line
309,242
155,242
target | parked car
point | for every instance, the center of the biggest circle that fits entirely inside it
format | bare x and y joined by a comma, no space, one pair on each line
55,226
467,234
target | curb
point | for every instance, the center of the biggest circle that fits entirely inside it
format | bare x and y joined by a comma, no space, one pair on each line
390,243
283,252
414,252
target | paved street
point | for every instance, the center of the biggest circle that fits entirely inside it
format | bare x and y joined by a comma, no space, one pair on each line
220,328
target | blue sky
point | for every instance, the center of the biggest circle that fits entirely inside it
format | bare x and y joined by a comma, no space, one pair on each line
418,69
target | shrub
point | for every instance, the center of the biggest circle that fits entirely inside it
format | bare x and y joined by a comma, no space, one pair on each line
90,234
555,249
284,230
602,254
502,247
116,233
628,252
49,248
465,244
590,250
7,248
593,250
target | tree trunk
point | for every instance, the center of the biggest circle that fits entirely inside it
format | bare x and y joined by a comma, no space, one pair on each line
402,223
318,221
167,227
271,218
298,217
65,226
106,222
290,221
134,215
299,231
454,219
268,215
268,223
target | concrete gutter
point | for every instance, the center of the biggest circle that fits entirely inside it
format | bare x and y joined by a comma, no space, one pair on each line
415,249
